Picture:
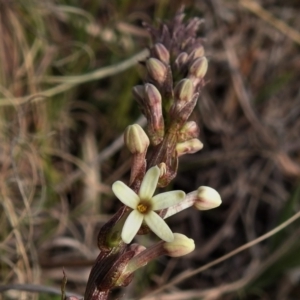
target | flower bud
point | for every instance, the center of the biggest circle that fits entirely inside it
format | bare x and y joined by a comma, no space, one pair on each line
138,92
189,131
199,67
181,60
155,126
196,53
208,198
184,101
152,95
161,53
136,139
163,169
157,70
180,246
180,111
188,147
183,90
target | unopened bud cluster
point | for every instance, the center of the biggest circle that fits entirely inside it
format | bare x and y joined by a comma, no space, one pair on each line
175,74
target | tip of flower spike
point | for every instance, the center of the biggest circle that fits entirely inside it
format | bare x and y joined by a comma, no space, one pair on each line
208,198
180,246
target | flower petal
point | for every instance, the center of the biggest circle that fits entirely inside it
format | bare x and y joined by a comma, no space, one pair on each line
149,183
159,226
131,226
125,194
167,199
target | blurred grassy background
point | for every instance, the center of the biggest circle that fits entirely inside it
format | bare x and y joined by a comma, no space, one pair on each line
62,114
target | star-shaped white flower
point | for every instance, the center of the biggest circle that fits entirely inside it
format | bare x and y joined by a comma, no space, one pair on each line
144,204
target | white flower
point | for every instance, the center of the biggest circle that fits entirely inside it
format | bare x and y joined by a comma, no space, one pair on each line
144,204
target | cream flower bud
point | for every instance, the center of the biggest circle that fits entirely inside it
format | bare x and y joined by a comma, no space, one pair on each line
161,52
185,101
136,139
183,90
180,246
181,60
189,131
157,70
189,147
208,198
199,67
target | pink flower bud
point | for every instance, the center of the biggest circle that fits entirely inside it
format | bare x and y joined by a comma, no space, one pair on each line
181,59
188,147
136,139
161,52
208,198
156,69
152,95
189,131
155,126
180,246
